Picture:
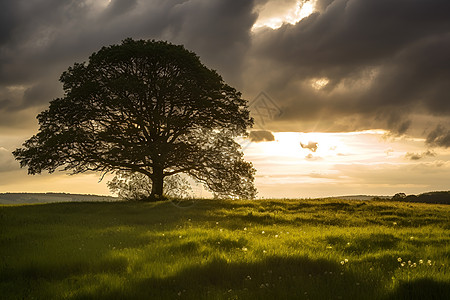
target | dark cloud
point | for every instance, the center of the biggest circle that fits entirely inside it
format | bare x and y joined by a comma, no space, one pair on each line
359,64
261,136
39,39
118,7
312,146
417,156
439,137
352,65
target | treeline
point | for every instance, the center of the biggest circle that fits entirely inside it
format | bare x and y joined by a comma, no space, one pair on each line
442,197
30,198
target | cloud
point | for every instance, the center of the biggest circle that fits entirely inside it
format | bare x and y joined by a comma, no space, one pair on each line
311,157
261,136
439,137
417,156
40,40
358,64
351,65
312,146
7,162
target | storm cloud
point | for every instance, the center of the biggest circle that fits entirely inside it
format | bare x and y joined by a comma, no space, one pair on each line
359,64
350,65
40,39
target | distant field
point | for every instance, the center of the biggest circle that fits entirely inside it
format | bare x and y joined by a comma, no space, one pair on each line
30,198
208,249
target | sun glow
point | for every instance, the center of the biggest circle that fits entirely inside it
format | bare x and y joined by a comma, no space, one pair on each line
298,145
292,15
320,164
319,83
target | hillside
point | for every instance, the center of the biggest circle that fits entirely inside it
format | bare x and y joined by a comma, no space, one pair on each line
214,249
32,198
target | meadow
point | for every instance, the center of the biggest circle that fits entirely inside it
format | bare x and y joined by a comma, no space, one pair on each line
217,249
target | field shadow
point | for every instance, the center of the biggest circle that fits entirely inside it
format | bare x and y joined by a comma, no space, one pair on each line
421,289
272,278
57,270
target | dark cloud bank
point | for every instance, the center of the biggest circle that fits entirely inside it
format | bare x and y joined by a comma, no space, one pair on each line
352,65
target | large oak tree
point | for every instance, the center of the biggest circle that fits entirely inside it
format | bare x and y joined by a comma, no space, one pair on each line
149,107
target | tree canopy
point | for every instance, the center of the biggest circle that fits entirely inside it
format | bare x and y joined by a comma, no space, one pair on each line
147,107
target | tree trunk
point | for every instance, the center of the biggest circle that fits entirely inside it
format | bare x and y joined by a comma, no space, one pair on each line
157,184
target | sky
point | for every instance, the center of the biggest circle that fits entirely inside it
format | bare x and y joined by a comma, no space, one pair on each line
349,96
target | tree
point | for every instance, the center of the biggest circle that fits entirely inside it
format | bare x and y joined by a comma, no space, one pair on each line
399,196
146,107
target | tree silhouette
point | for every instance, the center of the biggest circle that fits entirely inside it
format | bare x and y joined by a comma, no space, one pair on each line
148,107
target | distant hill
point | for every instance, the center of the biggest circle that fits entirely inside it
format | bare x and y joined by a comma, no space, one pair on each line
30,198
442,197
358,197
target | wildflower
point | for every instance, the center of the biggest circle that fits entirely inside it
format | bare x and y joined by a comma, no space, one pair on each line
411,238
414,265
429,262
403,264
245,228
420,261
244,249
220,229
264,251
342,262
179,236
409,262
395,223
276,235
263,232
217,223
399,259
346,260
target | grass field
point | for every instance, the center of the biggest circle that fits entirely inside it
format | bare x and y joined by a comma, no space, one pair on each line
208,249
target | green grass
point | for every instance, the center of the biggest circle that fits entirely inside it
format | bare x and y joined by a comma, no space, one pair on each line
266,249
